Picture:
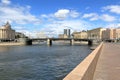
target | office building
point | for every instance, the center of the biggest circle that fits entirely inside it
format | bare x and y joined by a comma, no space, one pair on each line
67,32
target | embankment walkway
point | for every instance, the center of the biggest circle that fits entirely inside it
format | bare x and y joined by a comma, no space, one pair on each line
108,65
102,64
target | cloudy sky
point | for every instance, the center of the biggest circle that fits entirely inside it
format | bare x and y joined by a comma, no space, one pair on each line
52,16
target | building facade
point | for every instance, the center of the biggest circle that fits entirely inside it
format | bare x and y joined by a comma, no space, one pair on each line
110,34
6,33
80,35
63,36
116,33
95,33
107,34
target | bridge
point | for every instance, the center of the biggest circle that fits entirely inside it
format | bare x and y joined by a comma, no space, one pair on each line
27,41
72,40
102,64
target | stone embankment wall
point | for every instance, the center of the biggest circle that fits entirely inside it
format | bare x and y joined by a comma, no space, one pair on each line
10,44
85,70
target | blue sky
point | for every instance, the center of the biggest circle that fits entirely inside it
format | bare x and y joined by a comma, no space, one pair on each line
34,17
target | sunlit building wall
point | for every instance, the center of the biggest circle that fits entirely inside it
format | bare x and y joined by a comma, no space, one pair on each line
6,33
80,35
95,33
111,34
107,34
116,33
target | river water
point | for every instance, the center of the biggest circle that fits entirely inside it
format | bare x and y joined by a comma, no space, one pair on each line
39,62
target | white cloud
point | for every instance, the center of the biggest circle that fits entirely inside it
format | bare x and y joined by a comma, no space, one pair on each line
118,25
6,1
57,27
111,25
18,14
47,16
74,14
113,8
108,18
92,16
62,13
65,13
89,15
19,27
44,16
95,16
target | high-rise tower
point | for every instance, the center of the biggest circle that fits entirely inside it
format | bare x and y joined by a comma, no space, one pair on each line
67,32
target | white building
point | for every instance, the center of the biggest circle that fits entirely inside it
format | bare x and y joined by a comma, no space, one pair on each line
6,33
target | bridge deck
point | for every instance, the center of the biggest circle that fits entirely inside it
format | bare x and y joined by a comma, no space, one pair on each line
61,39
108,67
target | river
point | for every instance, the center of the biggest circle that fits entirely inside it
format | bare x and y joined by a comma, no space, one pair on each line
40,62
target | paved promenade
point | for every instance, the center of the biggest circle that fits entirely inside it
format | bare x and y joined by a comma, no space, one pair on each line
108,67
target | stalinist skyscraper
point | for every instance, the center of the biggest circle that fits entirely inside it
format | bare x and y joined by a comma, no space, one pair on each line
6,33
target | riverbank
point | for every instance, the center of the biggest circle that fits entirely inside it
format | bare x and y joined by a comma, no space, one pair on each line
10,44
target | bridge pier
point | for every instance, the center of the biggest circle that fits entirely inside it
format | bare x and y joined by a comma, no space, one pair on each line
25,41
72,42
90,42
49,42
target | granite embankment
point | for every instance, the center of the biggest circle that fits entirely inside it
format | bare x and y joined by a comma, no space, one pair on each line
10,43
85,70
